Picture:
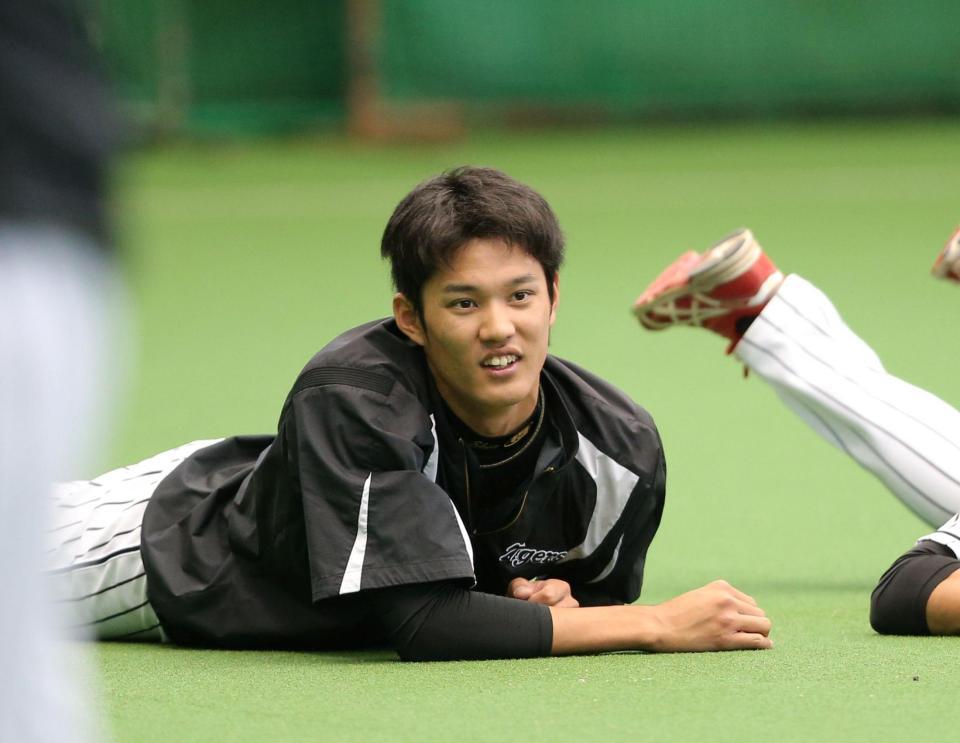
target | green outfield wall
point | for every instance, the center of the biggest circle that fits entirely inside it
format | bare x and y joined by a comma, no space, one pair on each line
250,65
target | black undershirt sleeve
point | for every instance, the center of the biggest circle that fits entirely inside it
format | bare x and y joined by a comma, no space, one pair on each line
444,621
898,605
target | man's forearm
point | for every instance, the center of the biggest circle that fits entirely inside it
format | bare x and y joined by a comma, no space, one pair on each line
715,617
602,628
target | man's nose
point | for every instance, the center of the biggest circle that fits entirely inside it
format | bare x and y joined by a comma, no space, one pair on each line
497,324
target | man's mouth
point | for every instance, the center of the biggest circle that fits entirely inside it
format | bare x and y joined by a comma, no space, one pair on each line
500,362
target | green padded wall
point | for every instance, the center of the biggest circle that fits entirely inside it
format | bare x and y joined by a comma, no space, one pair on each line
250,65
653,56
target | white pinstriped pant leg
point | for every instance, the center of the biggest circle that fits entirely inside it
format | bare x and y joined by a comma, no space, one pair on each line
93,548
905,436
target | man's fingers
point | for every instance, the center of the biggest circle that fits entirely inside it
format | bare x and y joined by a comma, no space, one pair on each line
552,592
750,641
565,601
750,609
521,588
549,592
745,603
741,595
754,625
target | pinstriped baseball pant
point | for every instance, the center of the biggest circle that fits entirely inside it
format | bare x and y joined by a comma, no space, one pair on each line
93,548
834,381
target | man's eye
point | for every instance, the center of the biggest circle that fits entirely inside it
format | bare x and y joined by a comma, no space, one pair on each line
522,295
463,304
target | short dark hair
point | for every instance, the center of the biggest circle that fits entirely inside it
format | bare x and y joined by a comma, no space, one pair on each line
444,213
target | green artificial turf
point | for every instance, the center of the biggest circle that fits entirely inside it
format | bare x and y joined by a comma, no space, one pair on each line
245,259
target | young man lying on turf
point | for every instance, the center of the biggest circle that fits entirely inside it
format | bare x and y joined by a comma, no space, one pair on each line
788,333
437,481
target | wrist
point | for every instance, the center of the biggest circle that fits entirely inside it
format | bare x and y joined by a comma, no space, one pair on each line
651,629
605,628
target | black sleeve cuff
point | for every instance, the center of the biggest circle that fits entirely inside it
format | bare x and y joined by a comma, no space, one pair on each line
898,605
444,621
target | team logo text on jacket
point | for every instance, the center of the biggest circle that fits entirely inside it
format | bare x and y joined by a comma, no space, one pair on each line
518,554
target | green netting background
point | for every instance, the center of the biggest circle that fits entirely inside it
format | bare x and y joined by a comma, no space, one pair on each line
249,65
226,66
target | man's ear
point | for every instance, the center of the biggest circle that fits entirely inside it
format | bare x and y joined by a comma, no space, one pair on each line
408,319
556,298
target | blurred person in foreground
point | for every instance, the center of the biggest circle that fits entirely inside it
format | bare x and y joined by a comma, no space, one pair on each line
437,481
58,289
789,334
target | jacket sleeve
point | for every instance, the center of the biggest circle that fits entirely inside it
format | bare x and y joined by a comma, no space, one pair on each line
359,450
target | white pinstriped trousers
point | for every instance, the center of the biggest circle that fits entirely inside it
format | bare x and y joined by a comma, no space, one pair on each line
93,548
834,381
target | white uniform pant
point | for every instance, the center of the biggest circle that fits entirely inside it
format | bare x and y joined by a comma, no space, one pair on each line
93,548
834,381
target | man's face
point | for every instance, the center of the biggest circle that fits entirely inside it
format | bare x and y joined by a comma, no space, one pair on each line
485,327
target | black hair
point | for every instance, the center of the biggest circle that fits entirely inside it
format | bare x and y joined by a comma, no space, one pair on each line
444,213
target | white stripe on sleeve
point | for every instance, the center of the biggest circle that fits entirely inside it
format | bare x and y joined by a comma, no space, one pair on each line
354,571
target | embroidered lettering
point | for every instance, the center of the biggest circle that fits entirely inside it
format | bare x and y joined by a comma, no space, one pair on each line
518,554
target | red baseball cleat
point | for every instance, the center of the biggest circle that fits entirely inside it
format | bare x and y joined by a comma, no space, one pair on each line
947,265
731,281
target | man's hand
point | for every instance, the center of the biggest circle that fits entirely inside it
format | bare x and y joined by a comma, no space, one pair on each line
551,592
715,617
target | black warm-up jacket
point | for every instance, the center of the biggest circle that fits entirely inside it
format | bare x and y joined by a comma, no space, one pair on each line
295,539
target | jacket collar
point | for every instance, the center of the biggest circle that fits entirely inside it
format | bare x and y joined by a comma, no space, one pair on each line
555,454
